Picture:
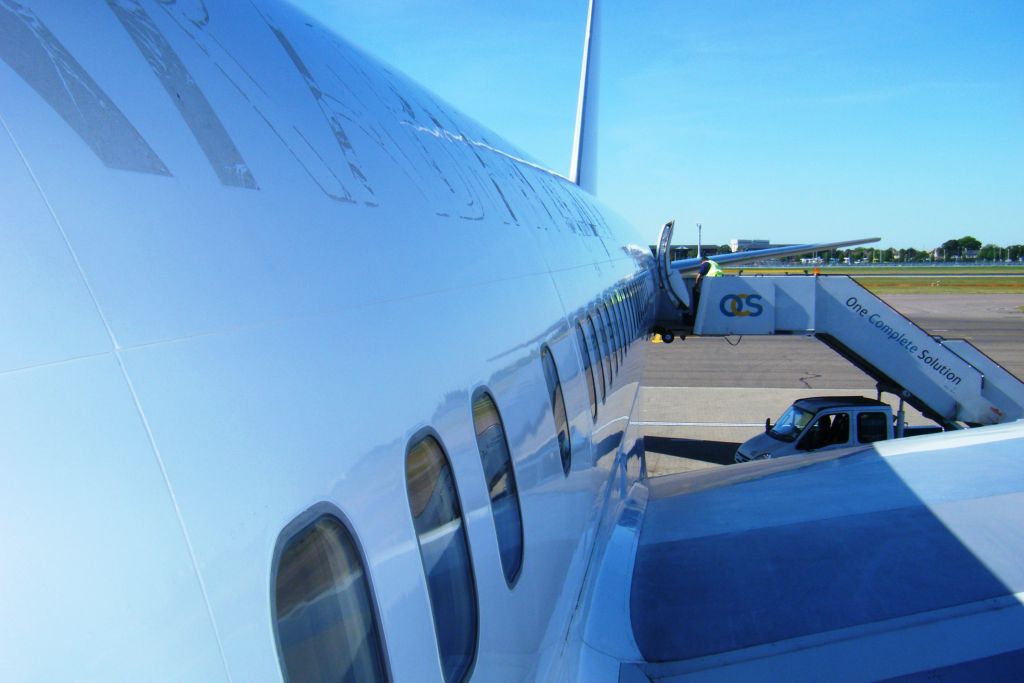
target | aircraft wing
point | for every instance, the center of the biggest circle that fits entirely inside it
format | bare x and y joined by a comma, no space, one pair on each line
896,558
691,264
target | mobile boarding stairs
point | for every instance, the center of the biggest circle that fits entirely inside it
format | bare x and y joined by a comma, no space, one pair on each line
949,380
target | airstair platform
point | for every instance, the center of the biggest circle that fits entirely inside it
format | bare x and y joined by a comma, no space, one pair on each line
948,380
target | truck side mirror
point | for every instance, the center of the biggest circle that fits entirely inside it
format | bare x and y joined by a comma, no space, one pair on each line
767,424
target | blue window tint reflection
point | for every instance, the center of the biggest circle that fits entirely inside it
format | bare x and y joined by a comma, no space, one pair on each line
588,369
596,350
606,361
612,343
325,623
440,531
619,321
501,484
557,407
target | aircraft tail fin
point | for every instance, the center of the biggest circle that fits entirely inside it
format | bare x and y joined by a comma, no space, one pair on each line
583,166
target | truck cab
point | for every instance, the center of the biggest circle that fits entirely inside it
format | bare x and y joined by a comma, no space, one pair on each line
818,424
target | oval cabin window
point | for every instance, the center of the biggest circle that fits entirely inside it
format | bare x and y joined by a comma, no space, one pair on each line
616,306
606,361
501,484
587,368
612,343
557,408
324,617
596,350
444,549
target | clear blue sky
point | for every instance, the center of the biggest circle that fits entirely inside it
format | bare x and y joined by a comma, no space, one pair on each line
794,121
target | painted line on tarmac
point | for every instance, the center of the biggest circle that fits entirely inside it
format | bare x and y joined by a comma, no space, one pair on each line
699,424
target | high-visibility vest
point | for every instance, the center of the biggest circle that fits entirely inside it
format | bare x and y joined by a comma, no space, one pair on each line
715,270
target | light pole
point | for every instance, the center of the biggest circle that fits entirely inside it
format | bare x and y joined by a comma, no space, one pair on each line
699,228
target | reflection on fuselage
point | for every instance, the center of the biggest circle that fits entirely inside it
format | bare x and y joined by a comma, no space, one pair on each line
224,211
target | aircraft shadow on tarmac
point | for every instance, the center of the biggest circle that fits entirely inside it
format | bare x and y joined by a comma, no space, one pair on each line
717,452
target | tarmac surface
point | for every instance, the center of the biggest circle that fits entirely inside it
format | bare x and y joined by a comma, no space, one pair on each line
703,397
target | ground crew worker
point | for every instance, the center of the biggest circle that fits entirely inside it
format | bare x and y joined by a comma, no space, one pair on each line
708,268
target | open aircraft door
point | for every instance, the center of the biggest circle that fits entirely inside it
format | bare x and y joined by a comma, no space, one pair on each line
674,301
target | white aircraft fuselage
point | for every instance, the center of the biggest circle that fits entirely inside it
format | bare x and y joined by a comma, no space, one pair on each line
244,268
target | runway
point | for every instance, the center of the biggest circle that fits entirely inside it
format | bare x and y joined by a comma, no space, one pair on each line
702,397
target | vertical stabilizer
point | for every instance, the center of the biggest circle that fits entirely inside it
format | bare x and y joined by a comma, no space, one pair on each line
583,167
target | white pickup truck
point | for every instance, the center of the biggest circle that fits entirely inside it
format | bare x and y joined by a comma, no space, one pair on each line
826,423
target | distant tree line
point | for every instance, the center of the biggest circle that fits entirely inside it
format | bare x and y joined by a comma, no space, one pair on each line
966,248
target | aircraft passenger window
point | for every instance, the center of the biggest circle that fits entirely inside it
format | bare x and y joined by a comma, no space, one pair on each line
640,306
613,306
603,352
557,407
637,313
632,310
627,306
324,618
620,308
609,309
630,313
441,534
501,484
871,427
613,332
617,316
585,352
627,322
648,296
596,350
613,358
617,324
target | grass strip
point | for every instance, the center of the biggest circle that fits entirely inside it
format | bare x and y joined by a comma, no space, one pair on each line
940,285
936,284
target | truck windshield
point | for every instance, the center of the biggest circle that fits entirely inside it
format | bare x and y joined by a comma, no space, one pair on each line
791,424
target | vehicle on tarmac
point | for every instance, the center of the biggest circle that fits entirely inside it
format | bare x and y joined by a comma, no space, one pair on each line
827,423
